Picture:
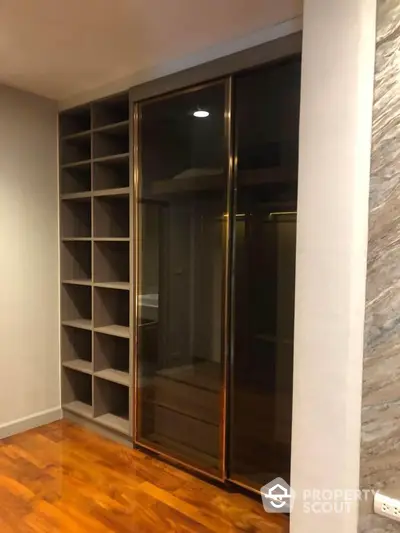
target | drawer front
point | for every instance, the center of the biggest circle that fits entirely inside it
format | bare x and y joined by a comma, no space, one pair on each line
198,403
186,430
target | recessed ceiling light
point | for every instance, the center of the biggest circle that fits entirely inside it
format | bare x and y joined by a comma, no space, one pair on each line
200,113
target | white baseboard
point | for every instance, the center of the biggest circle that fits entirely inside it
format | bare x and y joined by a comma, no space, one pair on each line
30,422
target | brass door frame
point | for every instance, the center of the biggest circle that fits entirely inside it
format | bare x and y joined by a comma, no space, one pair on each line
225,341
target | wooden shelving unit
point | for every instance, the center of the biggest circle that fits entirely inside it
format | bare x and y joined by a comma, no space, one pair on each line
96,265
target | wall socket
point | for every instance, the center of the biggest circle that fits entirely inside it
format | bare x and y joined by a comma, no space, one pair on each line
387,506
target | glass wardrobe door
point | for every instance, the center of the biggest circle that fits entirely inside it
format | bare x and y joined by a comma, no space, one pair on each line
182,201
267,121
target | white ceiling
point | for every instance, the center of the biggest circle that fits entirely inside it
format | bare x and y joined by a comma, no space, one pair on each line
61,48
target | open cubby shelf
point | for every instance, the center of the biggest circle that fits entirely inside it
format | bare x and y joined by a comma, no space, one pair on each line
77,392
112,358
76,218
76,303
112,405
75,121
112,174
111,217
76,179
111,111
111,311
76,349
112,141
76,262
111,262
76,149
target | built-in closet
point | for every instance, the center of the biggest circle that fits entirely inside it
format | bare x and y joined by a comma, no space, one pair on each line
178,230
266,110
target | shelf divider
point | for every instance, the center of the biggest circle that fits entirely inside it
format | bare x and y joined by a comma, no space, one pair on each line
112,126
79,365
76,195
79,408
111,239
76,239
114,329
77,164
114,422
111,158
119,285
84,282
121,191
116,376
81,323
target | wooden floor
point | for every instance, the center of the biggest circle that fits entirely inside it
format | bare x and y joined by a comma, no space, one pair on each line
62,478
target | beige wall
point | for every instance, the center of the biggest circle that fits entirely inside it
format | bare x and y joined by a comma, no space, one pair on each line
29,287
335,137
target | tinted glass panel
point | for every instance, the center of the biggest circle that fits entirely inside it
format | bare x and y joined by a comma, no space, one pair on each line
267,121
182,241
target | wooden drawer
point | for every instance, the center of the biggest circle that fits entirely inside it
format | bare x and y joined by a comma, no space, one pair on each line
187,430
198,403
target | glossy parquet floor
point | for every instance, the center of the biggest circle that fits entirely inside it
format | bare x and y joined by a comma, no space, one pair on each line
62,478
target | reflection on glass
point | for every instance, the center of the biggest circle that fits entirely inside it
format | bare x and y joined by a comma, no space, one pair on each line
267,119
182,242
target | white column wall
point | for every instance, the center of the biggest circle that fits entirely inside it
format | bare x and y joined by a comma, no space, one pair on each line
335,146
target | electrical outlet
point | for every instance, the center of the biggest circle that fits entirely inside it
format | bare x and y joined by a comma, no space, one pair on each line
387,506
